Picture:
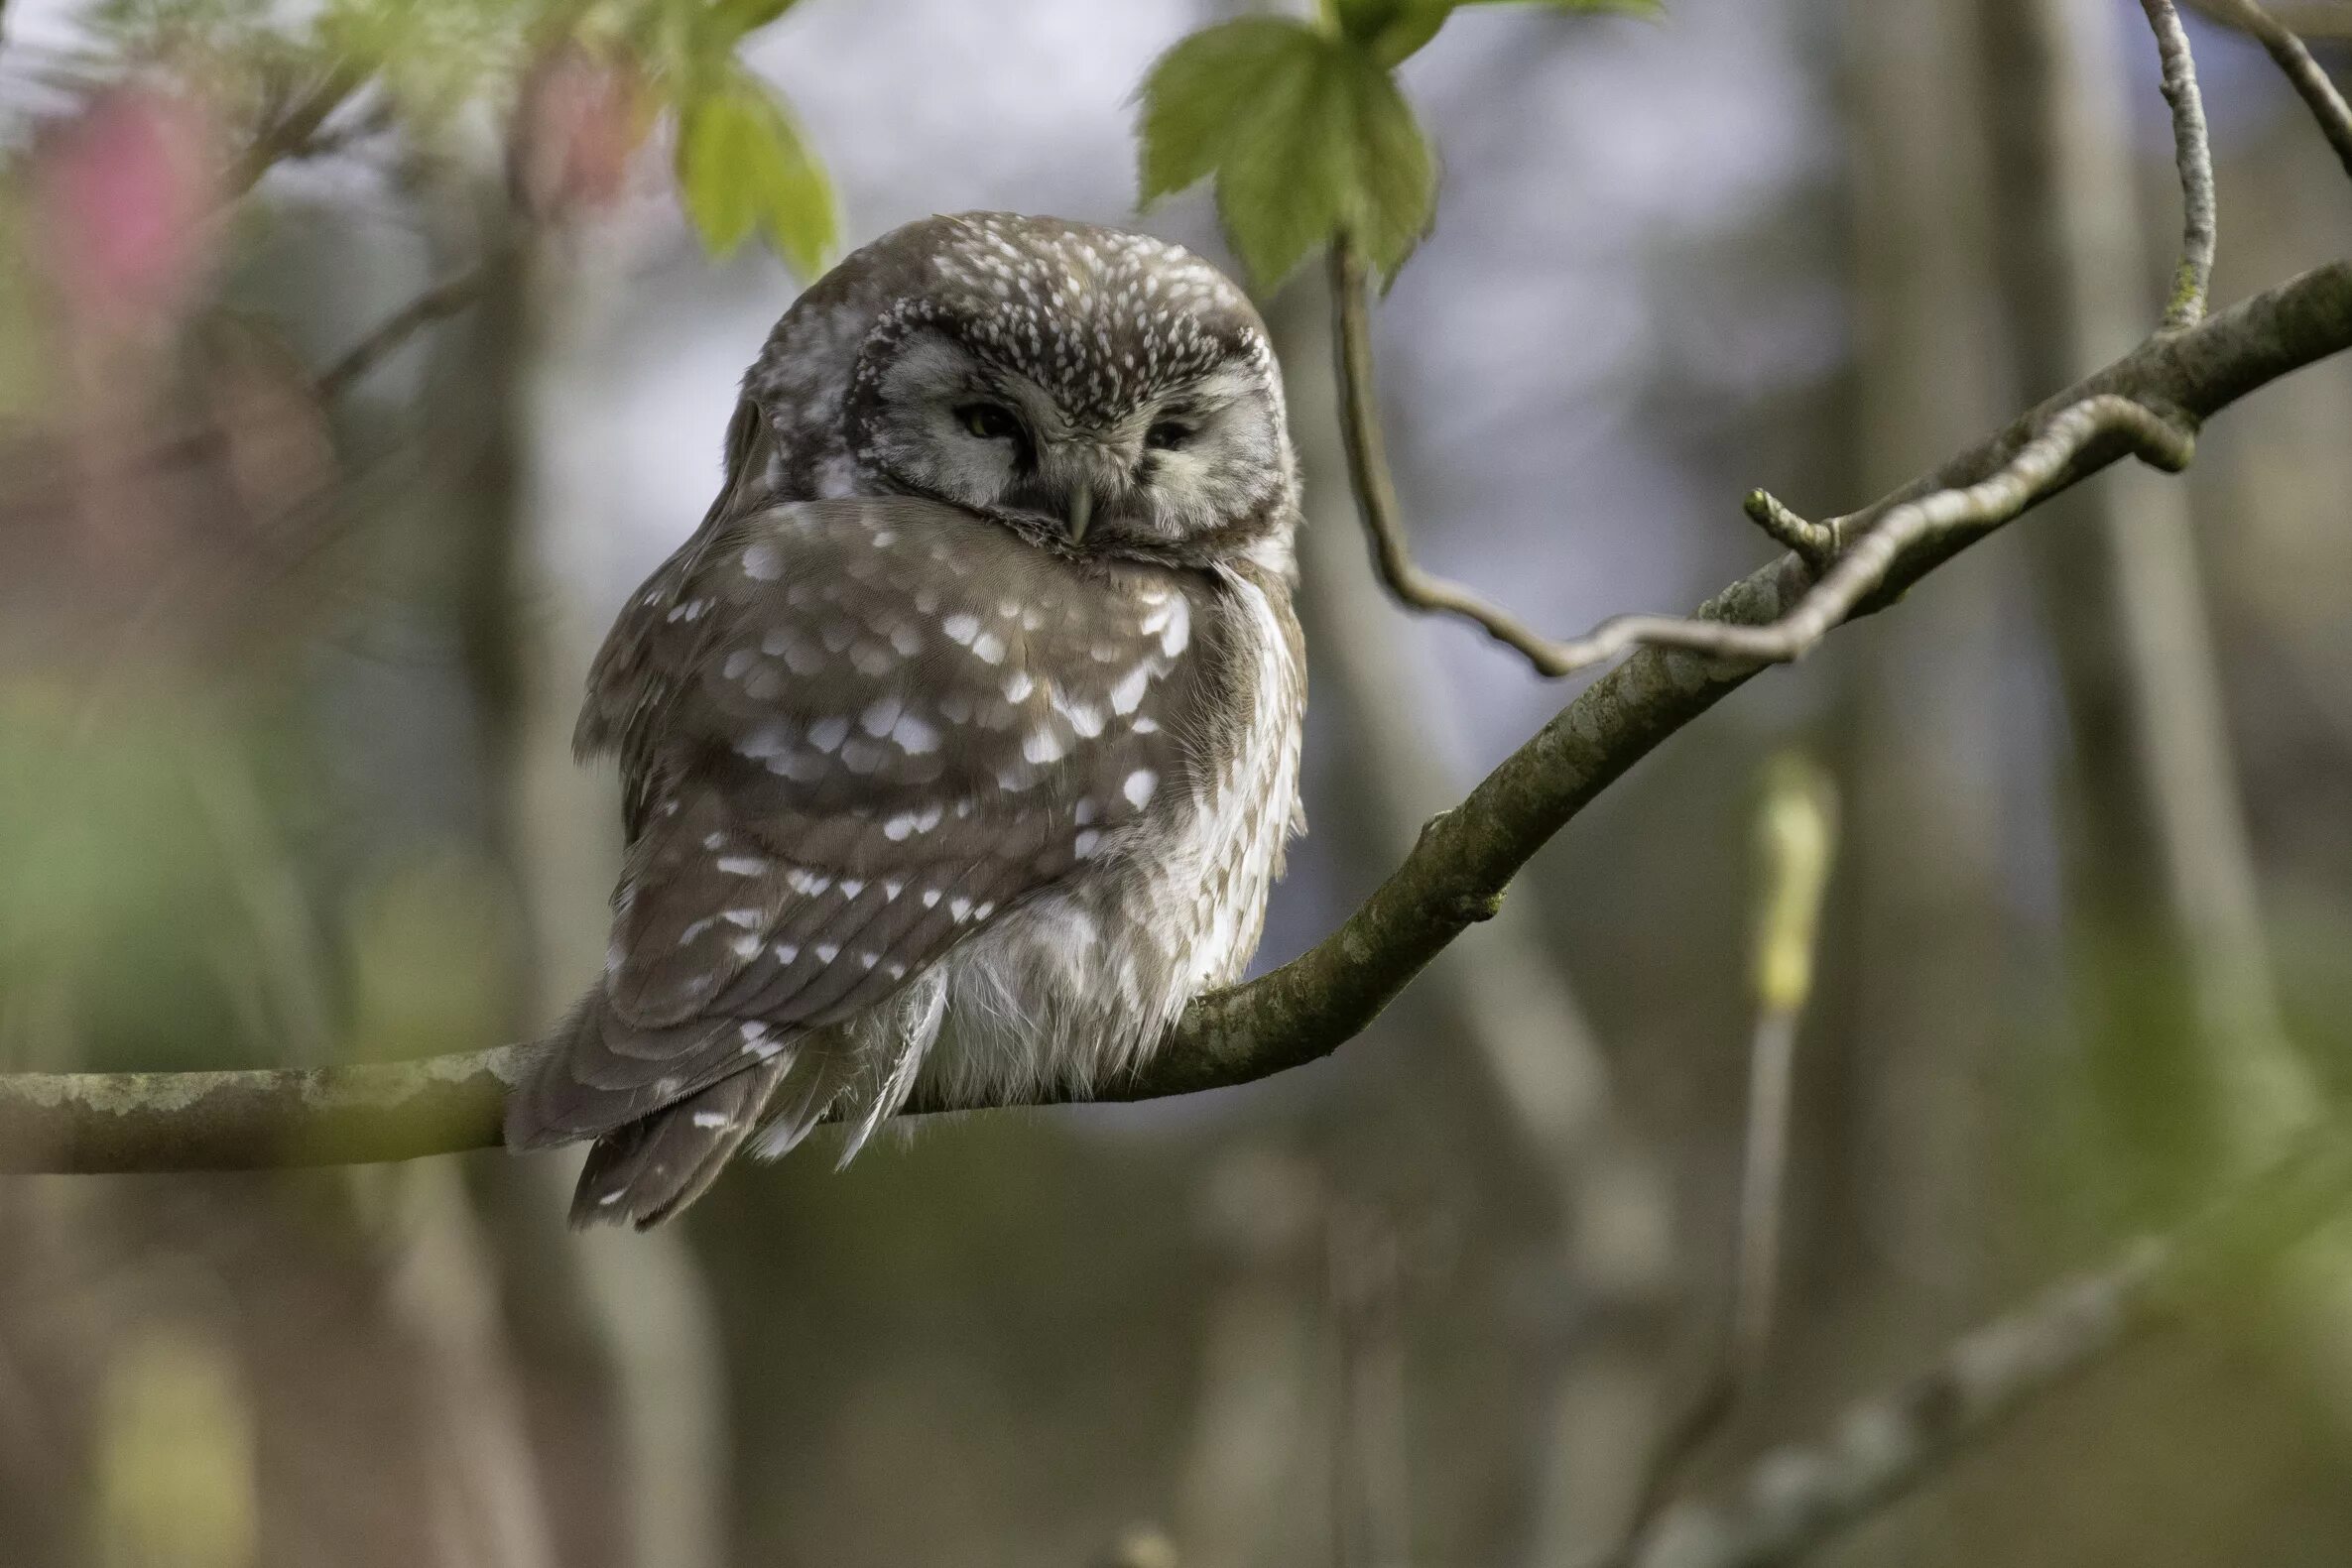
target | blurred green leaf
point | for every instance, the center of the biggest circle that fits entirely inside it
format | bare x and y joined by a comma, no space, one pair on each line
1306,134
742,165
730,20
1795,841
431,943
433,56
173,1456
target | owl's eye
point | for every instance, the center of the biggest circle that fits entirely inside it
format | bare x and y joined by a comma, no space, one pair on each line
990,421
1167,436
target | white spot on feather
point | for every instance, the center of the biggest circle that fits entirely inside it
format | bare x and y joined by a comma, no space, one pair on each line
1129,693
915,737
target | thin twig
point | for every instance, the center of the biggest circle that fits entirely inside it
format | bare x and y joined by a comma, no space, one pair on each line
1796,844
2309,80
435,304
1798,1498
1680,1442
1764,1177
1815,542
1796,834
1865,566
294,132
2192,148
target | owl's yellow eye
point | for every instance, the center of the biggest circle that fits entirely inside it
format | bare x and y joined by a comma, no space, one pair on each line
989,422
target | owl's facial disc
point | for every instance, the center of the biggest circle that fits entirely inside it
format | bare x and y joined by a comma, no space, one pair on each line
1146,472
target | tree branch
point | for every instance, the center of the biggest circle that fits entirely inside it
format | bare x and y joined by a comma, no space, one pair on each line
1794,1498
1306,1009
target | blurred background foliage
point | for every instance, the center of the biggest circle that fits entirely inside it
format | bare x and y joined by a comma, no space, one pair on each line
357,358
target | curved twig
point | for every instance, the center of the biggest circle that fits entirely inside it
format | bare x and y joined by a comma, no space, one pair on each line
1862,569
2311,83
1376,490
2192,148
1307,1007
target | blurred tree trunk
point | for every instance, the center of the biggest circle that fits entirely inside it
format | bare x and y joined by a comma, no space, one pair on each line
2161,869
1894,1191
1501,994
647,1293
493,1506
1928,799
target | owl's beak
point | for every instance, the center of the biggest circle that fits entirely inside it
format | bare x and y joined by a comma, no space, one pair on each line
1082,511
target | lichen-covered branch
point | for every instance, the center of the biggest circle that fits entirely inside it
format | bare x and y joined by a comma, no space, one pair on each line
1799,1496
1310,1006
251,1120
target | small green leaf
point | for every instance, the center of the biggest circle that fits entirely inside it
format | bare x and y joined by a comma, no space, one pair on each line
1397,194
1306,134
742,165
1289,179
1198,95
801,221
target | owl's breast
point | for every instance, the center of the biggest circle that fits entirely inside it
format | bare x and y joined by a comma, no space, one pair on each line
1084,981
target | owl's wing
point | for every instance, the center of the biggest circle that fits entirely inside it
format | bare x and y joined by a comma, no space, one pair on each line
651,643
856,731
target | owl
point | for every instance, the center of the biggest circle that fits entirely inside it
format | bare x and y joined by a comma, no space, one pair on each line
959,744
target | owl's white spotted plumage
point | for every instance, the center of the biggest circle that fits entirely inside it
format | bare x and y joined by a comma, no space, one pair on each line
961,743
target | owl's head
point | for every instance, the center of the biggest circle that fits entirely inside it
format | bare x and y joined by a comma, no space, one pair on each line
1099,391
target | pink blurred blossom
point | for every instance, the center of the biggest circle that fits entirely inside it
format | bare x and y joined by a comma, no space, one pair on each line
580,118
123,194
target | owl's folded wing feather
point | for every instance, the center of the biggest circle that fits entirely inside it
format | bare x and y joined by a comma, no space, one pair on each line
855,733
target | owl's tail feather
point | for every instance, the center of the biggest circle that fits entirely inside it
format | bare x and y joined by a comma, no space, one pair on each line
667,1107
643,1173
